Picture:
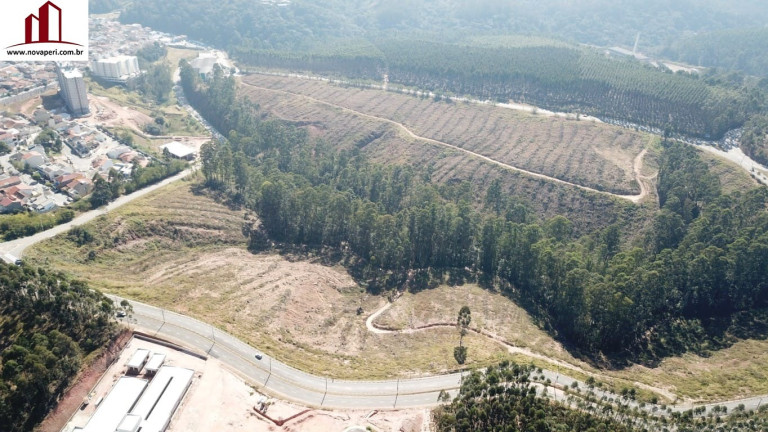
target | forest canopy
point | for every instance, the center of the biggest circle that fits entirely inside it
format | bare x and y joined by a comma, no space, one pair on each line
48,325
701,261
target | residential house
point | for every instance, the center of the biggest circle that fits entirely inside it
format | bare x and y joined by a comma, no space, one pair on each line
9,181
64,179
51,171
78,188
21,192
43,204
128,157
33,159
116,152
102,164
8,205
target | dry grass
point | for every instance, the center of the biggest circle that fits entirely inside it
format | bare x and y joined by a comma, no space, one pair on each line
732,178
186,252
738,371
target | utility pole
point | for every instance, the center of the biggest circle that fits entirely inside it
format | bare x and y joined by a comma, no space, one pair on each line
397,393
326,392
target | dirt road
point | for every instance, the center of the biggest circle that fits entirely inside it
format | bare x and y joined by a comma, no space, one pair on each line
411,134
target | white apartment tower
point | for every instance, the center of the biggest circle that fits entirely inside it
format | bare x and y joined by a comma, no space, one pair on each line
72,90
118,69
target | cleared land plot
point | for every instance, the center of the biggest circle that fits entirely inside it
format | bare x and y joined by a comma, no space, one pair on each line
732,178
585,153
187,253
343,129
738,371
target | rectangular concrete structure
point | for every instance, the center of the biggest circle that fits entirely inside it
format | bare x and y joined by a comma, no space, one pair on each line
120,400
72,89
137,361
155,363
162,397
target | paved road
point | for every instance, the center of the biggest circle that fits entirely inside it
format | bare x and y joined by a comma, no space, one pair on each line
290,383
17,247
283,380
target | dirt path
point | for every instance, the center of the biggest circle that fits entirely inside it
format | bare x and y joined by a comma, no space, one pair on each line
511,348
633,198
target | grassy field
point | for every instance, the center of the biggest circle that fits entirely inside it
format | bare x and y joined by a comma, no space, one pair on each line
581,152
738,371
731,179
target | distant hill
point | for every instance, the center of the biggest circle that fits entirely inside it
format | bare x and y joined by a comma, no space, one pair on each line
735,49
600,22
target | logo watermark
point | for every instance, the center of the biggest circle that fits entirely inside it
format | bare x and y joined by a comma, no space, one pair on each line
44,31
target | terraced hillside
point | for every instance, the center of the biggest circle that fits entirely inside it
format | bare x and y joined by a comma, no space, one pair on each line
387,143
582,152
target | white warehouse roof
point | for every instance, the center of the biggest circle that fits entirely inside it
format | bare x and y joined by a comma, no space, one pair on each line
116,405
178,150
155,362
138,359
162,397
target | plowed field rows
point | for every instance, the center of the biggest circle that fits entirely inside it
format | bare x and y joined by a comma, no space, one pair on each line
590,154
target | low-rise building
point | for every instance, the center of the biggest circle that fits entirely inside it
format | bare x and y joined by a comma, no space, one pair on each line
179,151
33,159
116,152
10,205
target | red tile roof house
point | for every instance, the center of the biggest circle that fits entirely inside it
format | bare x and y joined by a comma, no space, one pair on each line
65,179
21,192
8,205
79,188
10,181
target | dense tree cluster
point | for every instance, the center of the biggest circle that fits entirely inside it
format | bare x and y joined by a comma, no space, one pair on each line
754,141
50,140
303,22
151,53
740,49
355,40
115,185
503,399
567,78
704,258
48,324
156,82
26,224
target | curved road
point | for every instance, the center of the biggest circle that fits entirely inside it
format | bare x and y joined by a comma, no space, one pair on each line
312,390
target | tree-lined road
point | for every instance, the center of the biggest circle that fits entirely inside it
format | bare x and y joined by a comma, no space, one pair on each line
16,247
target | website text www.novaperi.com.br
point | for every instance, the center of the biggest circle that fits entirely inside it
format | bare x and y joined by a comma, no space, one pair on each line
44,53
